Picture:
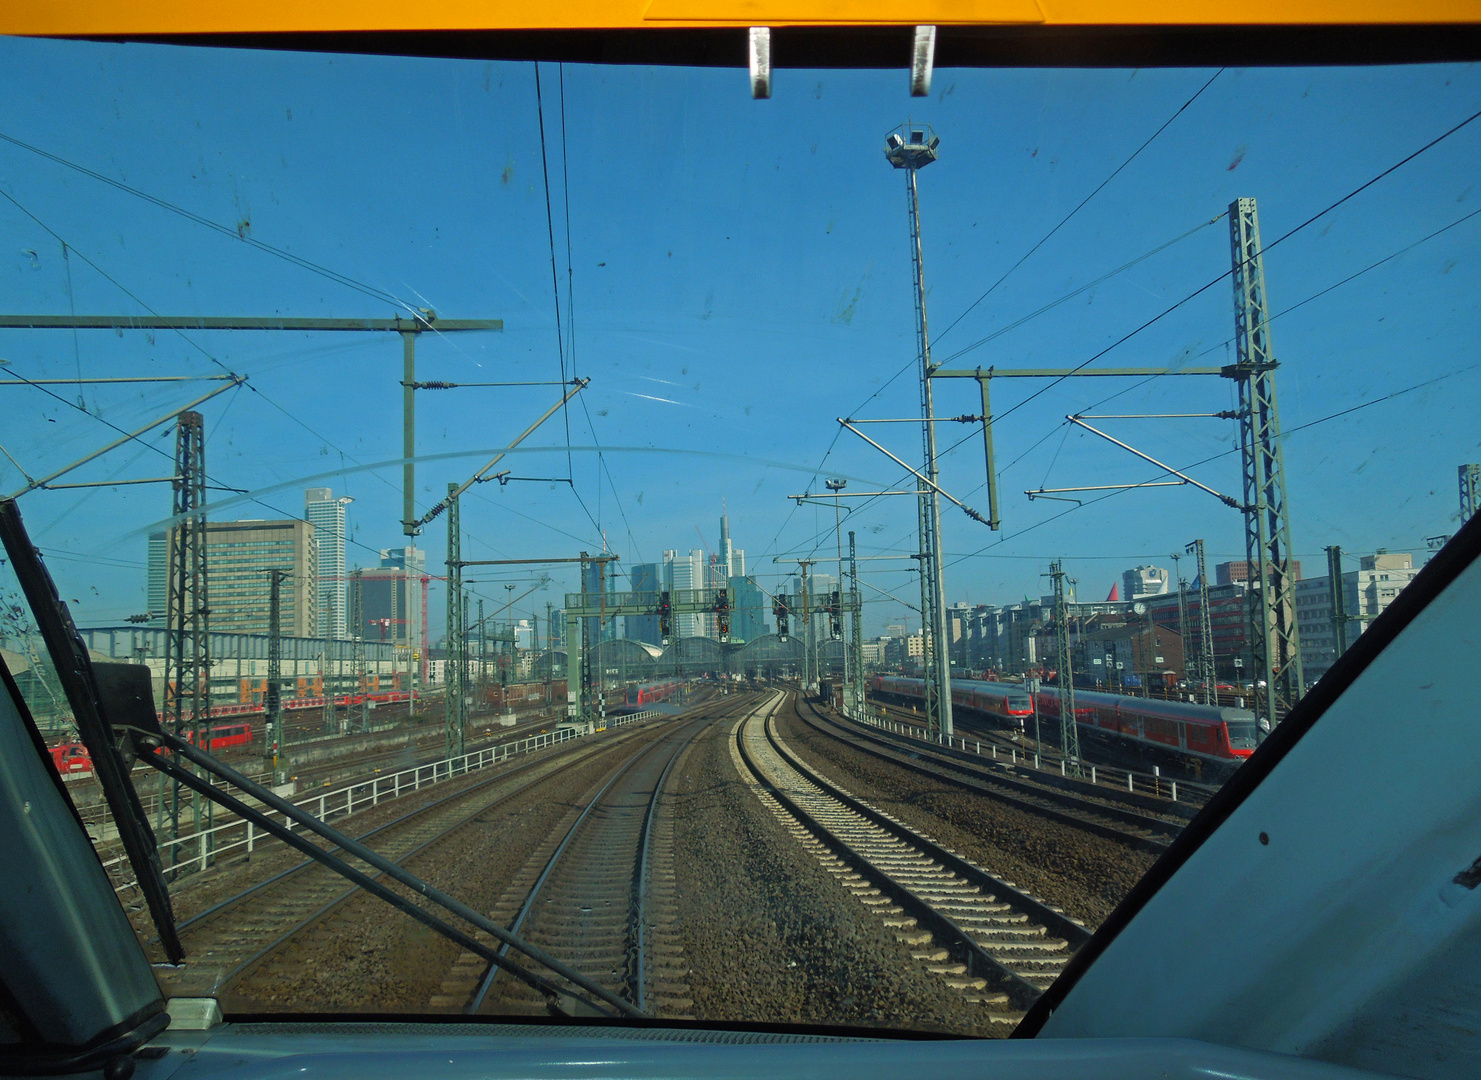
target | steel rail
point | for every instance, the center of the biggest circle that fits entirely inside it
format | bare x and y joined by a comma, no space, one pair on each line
366,855
1199,791
486,983
946,930
1053,920
252,890
367,883
983,782
642,883
491,974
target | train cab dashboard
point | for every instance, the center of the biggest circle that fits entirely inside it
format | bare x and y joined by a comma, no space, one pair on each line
363,1049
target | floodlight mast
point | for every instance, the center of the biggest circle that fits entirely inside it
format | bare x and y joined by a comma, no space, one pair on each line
913,147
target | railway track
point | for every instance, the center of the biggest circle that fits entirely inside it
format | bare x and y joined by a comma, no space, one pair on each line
1190,789
1142,831
995,944
598,895
229,940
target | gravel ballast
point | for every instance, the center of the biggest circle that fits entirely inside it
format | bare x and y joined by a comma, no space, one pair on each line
1084,874
773,938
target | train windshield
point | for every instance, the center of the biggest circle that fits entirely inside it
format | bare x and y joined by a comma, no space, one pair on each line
520,466
1242,734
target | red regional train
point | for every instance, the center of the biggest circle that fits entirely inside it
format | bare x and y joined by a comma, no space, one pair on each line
1198,734
649,692
988,698
73,757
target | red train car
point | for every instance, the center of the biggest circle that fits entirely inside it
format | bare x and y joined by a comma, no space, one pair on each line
73,757
1203,733
996,699
649,692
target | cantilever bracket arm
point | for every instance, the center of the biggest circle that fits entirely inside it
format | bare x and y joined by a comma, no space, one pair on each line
151,741
1225,499
228,384
577,385
973,514
903,603
1049,493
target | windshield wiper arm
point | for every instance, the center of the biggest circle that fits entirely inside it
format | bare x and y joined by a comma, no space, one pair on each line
75,672
149,738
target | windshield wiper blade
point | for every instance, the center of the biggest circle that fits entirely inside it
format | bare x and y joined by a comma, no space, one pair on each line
79,681
149,737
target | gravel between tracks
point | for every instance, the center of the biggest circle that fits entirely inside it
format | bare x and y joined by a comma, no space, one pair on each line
368,957
770,936
1085,875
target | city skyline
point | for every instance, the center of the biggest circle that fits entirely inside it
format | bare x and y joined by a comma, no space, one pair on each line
686,383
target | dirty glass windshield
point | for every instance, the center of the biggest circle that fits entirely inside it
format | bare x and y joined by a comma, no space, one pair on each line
524,469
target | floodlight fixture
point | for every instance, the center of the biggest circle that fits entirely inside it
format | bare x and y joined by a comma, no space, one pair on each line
911,146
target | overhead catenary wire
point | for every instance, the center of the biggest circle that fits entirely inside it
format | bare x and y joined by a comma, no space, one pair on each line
1286,434
1314,296
1063,221
1204,288
179,333
1215,348
215,226
1266,248
1067,297
1081,205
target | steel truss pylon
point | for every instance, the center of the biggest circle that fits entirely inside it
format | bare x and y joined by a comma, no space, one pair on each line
1207,674
187,688
1470,490
357,636
1069,733
454,678
860,694
912,148
1274,638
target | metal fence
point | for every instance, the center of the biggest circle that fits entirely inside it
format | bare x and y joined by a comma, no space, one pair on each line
206,845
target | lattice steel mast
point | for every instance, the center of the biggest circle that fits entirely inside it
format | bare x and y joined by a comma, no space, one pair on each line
1337,597
274,697
1069,734
457,640
1470,490
1206,673
357,637
857,631
913,148
1274,637
187,689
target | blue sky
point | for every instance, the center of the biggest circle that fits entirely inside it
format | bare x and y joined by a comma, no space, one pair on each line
741,278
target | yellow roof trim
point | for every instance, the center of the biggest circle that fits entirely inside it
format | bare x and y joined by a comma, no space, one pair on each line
157,17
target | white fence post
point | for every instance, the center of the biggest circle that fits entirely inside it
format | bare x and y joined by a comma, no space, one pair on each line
1174,791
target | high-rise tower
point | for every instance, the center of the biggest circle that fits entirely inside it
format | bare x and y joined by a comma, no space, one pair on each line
327,515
